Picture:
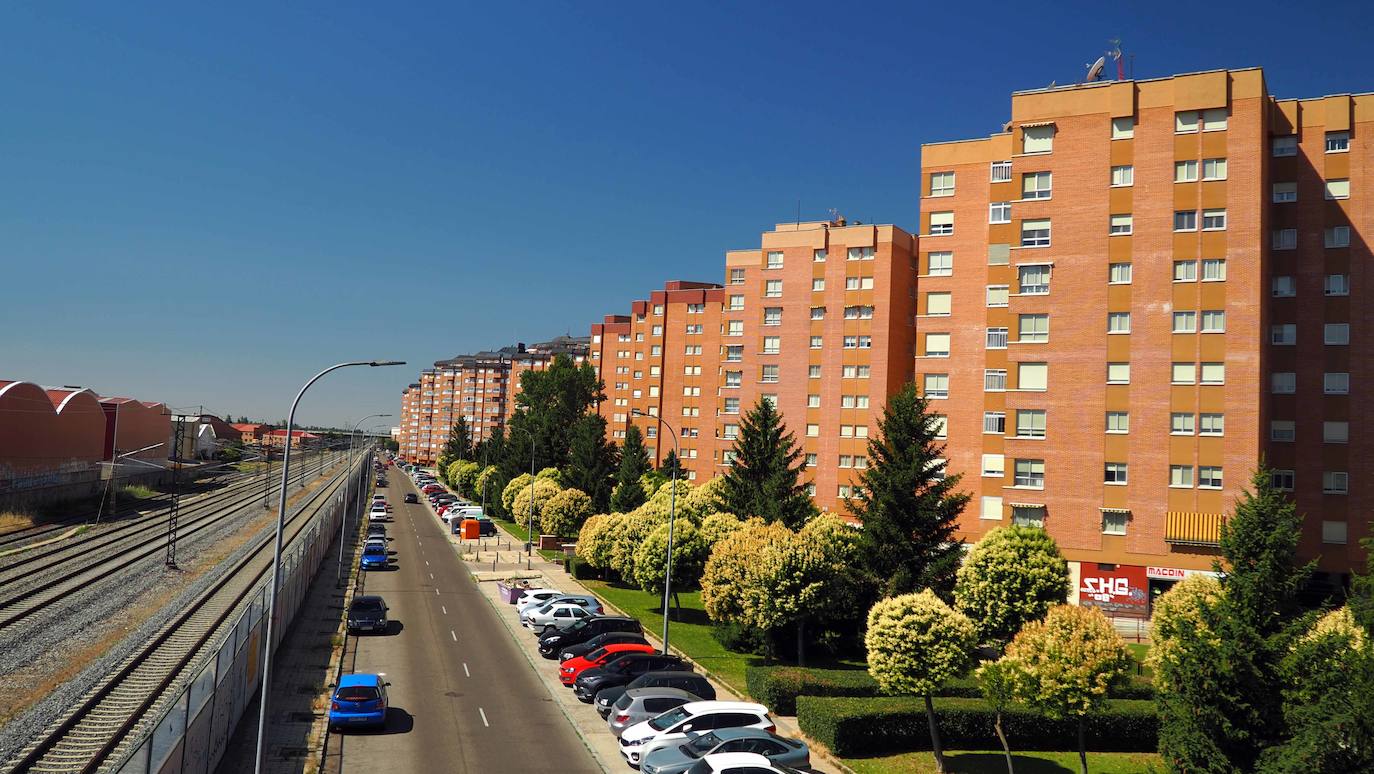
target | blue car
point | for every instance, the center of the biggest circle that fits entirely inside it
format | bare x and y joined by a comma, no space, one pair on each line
359,700
374,558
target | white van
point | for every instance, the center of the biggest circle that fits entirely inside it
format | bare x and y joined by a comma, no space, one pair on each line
464,512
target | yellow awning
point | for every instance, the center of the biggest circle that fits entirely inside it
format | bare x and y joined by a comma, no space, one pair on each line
1193,528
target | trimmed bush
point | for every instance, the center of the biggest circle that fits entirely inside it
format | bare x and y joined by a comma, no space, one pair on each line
883,725
777,687
580,570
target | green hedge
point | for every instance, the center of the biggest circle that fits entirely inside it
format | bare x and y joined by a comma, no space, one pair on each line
877,726
580,570
778,687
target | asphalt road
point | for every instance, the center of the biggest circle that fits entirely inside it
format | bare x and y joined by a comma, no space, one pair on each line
463,697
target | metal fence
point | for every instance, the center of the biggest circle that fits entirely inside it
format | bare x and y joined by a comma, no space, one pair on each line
194,730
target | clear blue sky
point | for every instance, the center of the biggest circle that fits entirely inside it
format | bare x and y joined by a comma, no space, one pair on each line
206,206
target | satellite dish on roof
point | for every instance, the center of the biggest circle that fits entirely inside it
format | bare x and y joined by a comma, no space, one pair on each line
1095,69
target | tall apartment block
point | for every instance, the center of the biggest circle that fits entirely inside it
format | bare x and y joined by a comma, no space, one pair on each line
1134,294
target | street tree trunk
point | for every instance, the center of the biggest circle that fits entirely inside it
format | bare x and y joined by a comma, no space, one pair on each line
1082,744
935,737
1002,737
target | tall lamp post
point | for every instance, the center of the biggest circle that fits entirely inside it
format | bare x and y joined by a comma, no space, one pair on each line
672,510
348,488
276,551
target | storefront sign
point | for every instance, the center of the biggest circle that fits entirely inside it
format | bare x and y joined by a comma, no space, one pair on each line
1165,573
1123,590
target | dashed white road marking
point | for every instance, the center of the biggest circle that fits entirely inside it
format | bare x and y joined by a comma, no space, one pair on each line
436,592
483,713
431,576
445,609
451,634
465,669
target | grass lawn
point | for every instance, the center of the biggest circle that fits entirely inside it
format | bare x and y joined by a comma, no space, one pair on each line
974,762
1138,651
517,531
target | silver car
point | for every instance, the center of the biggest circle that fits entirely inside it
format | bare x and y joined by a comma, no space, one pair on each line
781,751
639,704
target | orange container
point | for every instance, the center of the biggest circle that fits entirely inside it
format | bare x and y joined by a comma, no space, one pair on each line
471,529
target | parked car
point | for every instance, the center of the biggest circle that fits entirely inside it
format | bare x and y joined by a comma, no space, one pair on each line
585,600
374,558
584,633
673,726
623,670
690,682
583,648
431,488
485,527
560,616
678,759
570,669
529,597
411,497
733,763
377,513
358,700
639,705
376,528
367,614
381,482
378,497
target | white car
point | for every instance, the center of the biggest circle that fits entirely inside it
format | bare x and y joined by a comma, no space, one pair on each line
377,512
561,616
532,599
735,762
673,726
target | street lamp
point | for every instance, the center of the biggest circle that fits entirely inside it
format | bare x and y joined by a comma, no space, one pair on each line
276,552
672,509
348,482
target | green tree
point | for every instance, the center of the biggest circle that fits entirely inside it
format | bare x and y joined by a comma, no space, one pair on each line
909,509
459,443
1011,576
1177,618
634,462
915,644
765,476
513,488
672,466
595,540
465,478
690,551
715,527
997,684
482,485
629,532
1066,664
565,513
1221,703
592,461
542,491
551,401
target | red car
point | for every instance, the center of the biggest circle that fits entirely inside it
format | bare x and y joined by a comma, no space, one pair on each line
432,488
570,669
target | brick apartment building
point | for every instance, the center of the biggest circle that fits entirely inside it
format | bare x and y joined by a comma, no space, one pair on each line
1130,297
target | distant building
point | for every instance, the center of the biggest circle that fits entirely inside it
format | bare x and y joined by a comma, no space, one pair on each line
252,432
277,438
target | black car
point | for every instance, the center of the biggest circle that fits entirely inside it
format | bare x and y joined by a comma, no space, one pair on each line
376,529
550,644
609,638
485,527
381,482
367,614
412,498
622,671
690,682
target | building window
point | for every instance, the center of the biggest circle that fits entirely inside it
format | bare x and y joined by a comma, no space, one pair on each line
937,345
1336,333
939,423
1214,169
999,212
1337,142
1033,328
1335,432
1181,423
736,303
866,253
1118,373
1000,171
941,224
1114,522
1208,477
997,295
994,422
941,183
1283,287
1114,473
1213,373
1336,236
1337,285
1338,189
1035,233
1185,271
734,354
813,431
1030,423
1284,239
1123,176
940,264
1212,424
813,372
772,289
1185,220
1184,373
1335,482
1286,145
1213,269
994,466
1118,422
1213,119
734,327
817,313
1214,321
772,315
818,284
1185,322
817,342
734,378
1119,274
1181,476
858,313
737,276
1335,383
1034,279
1185,121
938,304
773,260
772,345
819,256
994,379
1282,430
1214,220
1037,139
1283,480
1037,185
1029,474
996,338
936,385
1032,376
990,508
1283,334
1028,516
1123,128
1185,171
1285,192
1335,532
1120,225
1118,322
1283,382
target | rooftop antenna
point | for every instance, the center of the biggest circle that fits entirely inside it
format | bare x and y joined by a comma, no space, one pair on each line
1115,53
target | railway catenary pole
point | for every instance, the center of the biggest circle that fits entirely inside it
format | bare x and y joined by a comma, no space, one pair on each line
266,681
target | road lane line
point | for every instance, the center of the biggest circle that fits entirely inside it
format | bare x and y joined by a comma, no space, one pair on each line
431,576
436,592
451,634
483,713
426,562
445,609
465,669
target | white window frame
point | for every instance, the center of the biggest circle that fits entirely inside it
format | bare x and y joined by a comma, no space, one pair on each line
941,184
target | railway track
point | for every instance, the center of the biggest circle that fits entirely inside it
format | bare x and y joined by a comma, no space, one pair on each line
92,734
